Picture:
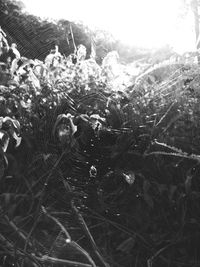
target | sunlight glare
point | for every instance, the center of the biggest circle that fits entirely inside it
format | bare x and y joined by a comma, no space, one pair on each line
147,23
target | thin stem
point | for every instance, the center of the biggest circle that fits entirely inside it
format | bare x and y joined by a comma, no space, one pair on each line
16,229
61,261
72,35
84,227
64,230
88,234
69,241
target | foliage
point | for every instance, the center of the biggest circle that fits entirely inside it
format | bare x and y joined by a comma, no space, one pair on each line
107,171
35,36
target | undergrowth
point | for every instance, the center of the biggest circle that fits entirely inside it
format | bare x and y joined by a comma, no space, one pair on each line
98,171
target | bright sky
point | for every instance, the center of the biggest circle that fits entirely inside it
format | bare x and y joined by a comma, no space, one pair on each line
150,23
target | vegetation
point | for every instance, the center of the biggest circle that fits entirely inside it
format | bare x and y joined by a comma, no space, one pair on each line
98,167
36,37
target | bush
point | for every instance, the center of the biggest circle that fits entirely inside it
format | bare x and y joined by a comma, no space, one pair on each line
107,172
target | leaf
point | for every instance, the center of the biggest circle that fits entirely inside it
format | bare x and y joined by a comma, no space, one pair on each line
64,133
16,124
26,105
17,139
130,177
4,140
13,122
81,52
97,117
68,119
93,172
